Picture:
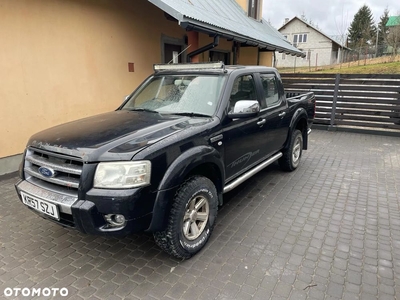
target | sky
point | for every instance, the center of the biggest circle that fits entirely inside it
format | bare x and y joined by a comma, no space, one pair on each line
333,17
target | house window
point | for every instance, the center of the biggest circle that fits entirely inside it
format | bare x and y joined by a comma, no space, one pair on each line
301,38
253,9
309,55
220,56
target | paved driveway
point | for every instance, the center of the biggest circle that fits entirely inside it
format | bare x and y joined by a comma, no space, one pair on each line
330,230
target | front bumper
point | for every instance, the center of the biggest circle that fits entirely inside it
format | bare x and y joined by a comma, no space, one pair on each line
87,215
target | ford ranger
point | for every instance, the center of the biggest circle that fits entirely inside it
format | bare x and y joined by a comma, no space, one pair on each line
162,161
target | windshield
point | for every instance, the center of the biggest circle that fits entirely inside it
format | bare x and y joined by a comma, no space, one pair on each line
172,94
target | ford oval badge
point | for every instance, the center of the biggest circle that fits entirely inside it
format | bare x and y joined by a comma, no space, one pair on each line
47,172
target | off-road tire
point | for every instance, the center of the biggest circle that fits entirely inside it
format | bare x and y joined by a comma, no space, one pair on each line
173,239
291,156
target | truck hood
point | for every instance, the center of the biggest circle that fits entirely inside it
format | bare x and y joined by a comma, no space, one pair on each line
110,136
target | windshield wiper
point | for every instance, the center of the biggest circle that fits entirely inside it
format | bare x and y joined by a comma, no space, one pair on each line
142,109
191,114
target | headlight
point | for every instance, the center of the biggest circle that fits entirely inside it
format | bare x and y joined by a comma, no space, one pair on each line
122,175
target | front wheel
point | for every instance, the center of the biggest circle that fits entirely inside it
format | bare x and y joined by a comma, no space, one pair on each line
191,220
291,156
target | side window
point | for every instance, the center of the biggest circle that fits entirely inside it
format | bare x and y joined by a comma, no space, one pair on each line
243,89
270,87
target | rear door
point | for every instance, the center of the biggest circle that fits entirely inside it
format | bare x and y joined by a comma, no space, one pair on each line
274,111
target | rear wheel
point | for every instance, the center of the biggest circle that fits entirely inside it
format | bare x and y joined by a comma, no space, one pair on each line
291,156
191,220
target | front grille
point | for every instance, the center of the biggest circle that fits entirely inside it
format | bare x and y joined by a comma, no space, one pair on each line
67,169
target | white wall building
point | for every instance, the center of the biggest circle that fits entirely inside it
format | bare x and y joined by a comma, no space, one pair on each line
319,49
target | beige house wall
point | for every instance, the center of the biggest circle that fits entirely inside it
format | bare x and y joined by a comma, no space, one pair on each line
266,59
243,4
248,56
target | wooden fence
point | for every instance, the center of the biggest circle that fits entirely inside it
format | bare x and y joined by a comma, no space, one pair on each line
353,100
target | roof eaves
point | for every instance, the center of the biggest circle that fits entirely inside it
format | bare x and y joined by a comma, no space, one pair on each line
209,29
225,26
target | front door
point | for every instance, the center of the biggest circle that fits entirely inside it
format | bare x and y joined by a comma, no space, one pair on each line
243,138
171,53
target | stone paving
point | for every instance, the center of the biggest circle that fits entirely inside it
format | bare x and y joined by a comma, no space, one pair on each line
329,230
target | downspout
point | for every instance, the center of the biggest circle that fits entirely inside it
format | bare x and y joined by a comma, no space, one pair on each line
204,48
234,48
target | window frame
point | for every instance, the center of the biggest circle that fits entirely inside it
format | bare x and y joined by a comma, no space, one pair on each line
255,81
279,103
300,38
253,13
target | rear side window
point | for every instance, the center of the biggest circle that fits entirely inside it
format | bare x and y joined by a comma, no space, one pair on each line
270,88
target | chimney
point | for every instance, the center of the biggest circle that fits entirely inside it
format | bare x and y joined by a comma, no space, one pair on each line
286,20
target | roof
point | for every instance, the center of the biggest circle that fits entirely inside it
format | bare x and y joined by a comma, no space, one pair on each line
311,26
393,21
227,19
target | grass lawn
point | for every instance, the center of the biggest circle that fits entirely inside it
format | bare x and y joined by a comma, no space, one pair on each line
381,68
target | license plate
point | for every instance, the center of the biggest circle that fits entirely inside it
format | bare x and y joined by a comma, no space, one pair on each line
41,205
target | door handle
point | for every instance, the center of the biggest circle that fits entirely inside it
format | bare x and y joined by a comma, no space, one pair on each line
261,122
282,114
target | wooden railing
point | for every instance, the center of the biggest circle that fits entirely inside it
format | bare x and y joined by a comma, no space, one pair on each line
353,100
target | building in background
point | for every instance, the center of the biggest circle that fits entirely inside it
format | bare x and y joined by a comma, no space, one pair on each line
393,36
318,48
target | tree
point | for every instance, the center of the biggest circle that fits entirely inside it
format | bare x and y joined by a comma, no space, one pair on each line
382,32
362,29
341,27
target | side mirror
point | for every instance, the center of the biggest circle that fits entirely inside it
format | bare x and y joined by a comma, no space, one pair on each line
244,109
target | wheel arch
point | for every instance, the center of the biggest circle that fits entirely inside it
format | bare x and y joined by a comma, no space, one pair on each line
204,161
299,122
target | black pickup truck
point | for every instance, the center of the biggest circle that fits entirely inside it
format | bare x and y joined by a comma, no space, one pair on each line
162,161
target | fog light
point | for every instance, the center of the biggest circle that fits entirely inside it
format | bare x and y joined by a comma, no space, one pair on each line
115,220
